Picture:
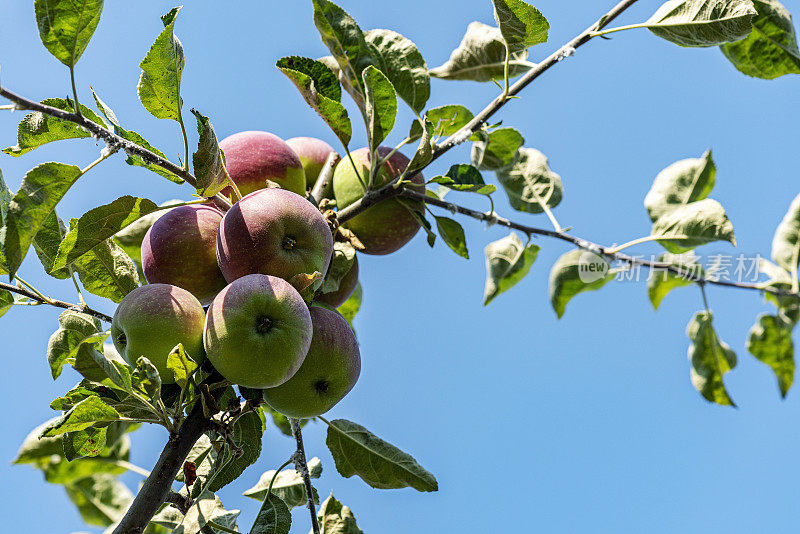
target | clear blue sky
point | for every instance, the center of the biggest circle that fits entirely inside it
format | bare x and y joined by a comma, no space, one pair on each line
531,424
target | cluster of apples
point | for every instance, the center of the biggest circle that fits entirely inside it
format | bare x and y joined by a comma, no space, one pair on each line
218,283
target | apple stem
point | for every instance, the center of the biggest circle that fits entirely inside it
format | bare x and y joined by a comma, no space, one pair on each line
302,467
324,181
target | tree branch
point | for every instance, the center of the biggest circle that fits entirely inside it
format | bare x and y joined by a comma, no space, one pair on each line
389,190
302,467
600,250
83,308
111,139
324,181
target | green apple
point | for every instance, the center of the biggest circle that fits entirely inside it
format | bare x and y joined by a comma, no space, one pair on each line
388,225
254,157
329,372
151,320
257,332
275,232
313,153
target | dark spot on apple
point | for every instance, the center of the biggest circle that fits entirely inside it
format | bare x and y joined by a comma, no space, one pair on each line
321,386
288,242
263,325
122,339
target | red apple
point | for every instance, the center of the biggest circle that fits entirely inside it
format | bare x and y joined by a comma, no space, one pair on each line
253,157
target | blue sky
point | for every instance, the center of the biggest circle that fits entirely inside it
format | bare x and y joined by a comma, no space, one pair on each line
584,424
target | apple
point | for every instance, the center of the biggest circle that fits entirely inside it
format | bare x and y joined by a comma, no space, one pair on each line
275,232
329,372
388,225
257,331
151,320
313,153
181,249
253,157
347,285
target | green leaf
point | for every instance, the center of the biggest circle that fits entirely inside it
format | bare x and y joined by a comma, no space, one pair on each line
134,137
182,365
779,278
770,341
662,281
273,517
381,105
42,188
453,235
424,153
401,62
35,448
347,43
66,26
321,90
497,149
692,225
38,129
247,434
209,161
352,305
6,301
464,178
529,182
160,82
344,256
357,451
786,242
575,272
683,182
480,57
288,486
508,260
77,334
446,120
207,507
107,271
146,379
521,24
46,244
702,22
710,357
335,518
99,224
417,212
87,442
86,413
101,499
771,49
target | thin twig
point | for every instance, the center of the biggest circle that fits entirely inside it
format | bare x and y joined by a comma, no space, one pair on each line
83,308
302,467
324,181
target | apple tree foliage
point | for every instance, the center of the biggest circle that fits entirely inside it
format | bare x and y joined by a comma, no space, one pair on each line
86,446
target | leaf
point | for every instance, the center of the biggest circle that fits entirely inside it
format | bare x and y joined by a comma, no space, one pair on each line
38,129
779,278
681,183
710,358
207,507
288,486
508,260
786,242
702,22
575,272
453,235
86,413
77,332
521,24
6,301
46,244
692,225
381,106
497,149
273,517
107,271
101,499
335,518
401,62
529,182
247,434
160,82
87,442
480,57
771,49
146,379
134,137
662,281
770,341
464,178
182,365
446,120
209,161
346,41
419,215
321,90
98,224
352,305
42,188
66,26
357,451
424,153
344,256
